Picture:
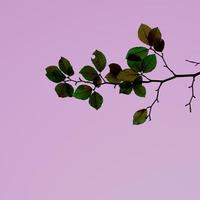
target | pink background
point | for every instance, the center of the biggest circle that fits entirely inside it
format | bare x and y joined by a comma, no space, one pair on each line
52,148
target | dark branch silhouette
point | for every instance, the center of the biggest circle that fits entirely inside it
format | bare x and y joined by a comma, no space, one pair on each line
130,79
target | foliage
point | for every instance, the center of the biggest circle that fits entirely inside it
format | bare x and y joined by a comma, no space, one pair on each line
141,60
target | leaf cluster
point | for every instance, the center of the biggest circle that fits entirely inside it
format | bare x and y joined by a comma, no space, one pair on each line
62,74
141,60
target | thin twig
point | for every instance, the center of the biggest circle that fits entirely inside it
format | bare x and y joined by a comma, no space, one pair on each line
193,62
155,100
192,96
102,78
145,77
163,59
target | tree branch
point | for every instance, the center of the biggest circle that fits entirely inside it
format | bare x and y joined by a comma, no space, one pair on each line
194,62
148,80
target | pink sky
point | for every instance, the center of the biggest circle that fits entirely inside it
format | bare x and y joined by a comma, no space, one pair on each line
53,148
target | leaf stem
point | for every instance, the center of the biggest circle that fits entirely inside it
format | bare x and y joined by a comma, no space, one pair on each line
163,59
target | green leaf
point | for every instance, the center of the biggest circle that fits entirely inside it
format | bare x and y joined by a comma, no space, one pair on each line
96,100
99,61
125,87
135,65
89,73
97,81
66,66
135,56
64,90
115,69
127,75
159,45
83,92
153,35
143,33
54,74
138,52
112,79
149,63
139,90
140,117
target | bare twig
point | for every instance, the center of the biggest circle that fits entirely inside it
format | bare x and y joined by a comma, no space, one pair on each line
163,59
192,96
193,62
156,100
145,76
